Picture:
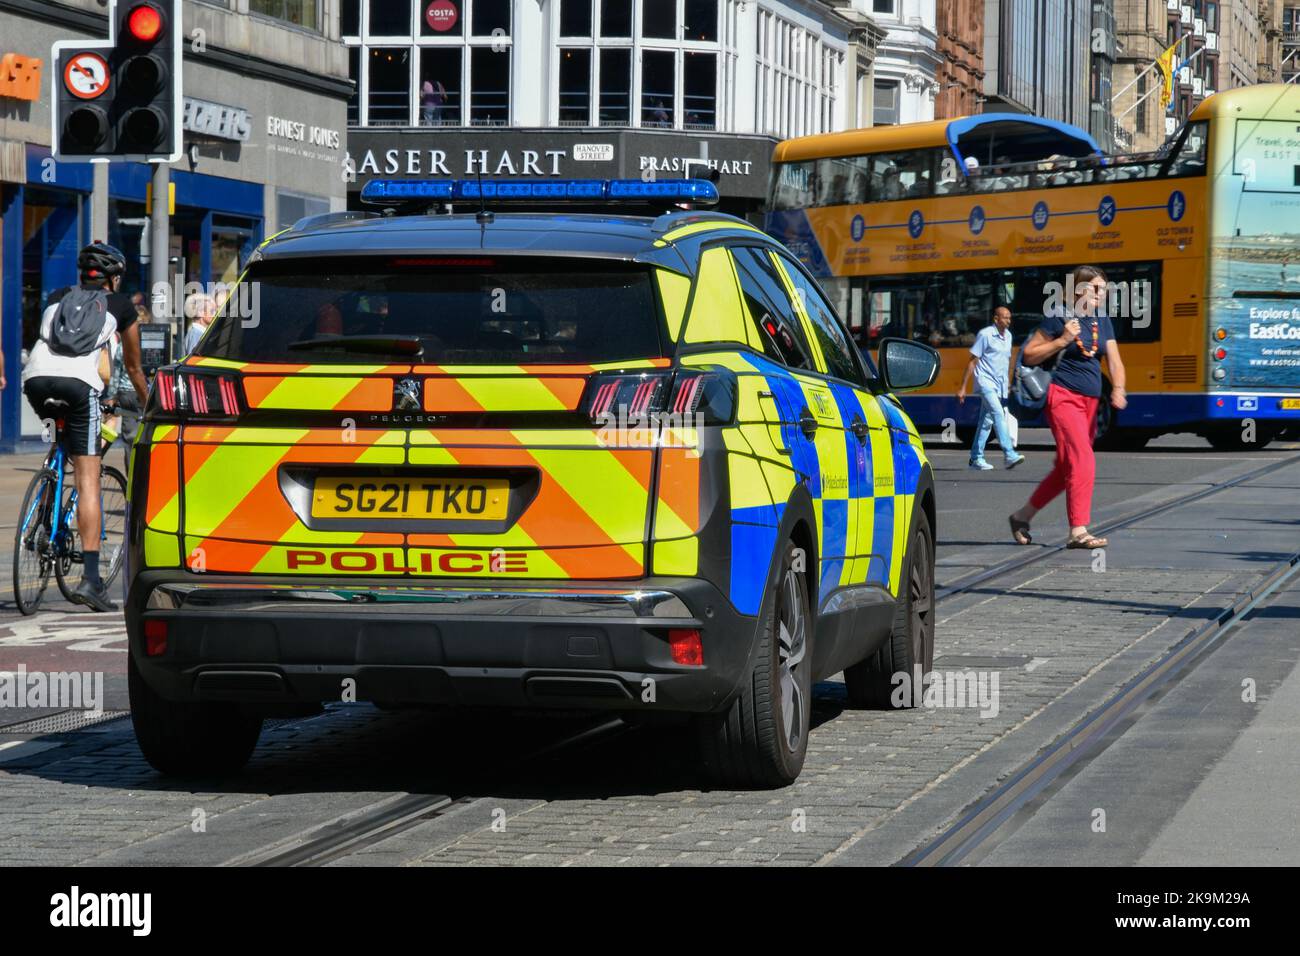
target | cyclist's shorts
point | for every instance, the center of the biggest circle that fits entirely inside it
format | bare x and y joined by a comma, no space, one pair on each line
81,419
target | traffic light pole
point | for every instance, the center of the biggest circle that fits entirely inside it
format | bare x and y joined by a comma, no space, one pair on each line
160,242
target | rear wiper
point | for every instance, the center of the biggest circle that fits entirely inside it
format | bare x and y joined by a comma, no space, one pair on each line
368,344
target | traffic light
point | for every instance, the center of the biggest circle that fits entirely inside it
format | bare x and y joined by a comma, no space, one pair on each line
120,98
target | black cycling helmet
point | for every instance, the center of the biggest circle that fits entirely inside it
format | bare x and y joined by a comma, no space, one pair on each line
99,260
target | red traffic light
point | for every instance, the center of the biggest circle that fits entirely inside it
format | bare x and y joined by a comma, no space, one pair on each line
144,23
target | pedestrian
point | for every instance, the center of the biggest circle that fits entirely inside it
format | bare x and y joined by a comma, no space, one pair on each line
1078,339
433,96
990,361
200,307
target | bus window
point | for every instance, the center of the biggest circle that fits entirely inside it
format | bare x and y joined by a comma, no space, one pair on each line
792,186
902,175
841,181
1188,158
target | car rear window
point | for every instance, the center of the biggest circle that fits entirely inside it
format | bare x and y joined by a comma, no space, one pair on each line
463,310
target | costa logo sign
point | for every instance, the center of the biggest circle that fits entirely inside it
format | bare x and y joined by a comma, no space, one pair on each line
441,15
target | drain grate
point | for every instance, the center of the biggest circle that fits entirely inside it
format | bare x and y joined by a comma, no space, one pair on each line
64,722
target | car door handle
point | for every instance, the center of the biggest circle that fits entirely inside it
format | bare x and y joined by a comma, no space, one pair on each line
861,429
807,423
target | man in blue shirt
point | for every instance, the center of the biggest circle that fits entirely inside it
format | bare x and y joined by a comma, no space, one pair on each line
990,360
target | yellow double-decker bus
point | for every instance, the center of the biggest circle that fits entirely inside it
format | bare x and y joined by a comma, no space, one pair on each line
922,230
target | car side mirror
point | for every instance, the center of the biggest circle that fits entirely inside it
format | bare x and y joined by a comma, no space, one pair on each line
906,365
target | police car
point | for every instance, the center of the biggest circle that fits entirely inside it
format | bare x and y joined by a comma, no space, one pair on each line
554,459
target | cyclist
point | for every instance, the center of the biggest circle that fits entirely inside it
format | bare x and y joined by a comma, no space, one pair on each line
69,364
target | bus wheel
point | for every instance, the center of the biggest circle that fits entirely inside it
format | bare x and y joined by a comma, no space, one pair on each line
1124,439
1234,438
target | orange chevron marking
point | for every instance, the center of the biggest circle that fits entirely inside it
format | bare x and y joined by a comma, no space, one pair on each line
369,395
679,485
163,471
448,395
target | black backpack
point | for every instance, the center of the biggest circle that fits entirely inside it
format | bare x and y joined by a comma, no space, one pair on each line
79,321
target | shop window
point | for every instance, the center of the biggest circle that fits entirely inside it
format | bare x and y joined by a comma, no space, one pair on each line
575,18
575,87
440,88
354,71
616,18
701,20
700,87
489,84
301,13
392,18
659,19
390,86
885,103
492,17
440,18
350,18
658,69
615,87
883,6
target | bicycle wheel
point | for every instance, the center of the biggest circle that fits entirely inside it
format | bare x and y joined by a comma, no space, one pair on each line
112,538
33,561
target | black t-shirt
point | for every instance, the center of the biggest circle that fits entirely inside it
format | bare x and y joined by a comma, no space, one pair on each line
1076,370
119,306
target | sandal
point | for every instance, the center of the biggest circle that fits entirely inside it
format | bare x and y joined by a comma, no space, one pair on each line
1087,542
1020,531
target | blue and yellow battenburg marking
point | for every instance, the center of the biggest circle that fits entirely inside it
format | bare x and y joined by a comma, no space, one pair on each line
862,491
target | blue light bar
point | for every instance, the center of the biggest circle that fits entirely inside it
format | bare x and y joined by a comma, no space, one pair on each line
402,190
540,190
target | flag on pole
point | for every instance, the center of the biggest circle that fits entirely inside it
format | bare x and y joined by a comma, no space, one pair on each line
1165,63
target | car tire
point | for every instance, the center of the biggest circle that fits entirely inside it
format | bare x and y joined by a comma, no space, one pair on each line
189,739
910,645
761,740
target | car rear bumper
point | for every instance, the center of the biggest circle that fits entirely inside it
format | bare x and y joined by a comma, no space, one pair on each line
569,644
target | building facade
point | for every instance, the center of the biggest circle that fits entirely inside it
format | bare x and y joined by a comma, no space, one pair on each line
1146,28
1241,33
1103,50
960,28
599,88
908,61
1037,58
266,89
1289,41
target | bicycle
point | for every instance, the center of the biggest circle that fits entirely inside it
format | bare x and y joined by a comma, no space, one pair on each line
47,539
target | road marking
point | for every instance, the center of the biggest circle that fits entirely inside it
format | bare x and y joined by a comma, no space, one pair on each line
79,631
17,749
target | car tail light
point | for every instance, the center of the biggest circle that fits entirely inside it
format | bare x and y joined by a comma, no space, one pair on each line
686,647
191,394
155,637
669,397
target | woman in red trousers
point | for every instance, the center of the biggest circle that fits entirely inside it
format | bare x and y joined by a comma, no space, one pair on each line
1081,337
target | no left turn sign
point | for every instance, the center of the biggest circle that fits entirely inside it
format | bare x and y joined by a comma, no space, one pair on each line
86,75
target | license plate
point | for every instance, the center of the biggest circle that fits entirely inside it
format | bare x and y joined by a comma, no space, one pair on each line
1288,403
404,499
